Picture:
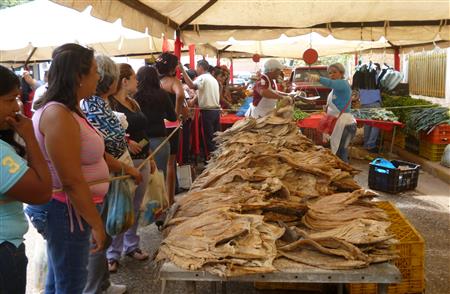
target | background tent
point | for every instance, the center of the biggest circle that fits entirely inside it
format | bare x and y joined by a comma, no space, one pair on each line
54,25
205,21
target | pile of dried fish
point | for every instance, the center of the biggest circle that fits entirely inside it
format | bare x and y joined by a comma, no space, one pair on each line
270,194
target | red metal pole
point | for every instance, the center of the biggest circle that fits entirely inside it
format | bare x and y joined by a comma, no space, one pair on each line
231,71
165,45
177,51
192,56
397,59
356,58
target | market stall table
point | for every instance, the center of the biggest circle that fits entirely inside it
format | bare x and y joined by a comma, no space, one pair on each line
382,274
312,122
229,119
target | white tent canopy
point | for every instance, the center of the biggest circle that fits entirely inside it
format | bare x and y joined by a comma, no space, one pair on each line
293,47
57,25
204,21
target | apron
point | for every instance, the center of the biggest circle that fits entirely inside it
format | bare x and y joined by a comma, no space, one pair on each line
344,120
264,106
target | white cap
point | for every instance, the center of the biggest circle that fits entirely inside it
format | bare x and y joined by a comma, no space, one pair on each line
272,65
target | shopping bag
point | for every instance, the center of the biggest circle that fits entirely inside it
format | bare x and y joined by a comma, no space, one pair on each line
155,198
119,207
39,266
326,124
127,160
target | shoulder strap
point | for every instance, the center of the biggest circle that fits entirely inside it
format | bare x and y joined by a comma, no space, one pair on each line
346,106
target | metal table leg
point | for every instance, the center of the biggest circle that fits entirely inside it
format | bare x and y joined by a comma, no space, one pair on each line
383,288
394,130
163,286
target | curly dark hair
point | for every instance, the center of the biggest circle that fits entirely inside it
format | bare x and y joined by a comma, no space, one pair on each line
166,64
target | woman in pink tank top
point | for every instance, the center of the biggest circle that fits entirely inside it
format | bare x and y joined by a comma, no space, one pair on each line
75,154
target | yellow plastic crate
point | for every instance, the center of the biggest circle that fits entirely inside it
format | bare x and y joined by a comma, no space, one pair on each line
430,151
411,248
400,138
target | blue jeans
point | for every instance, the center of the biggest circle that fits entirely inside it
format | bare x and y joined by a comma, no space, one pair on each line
13,268
162,157
67,251
347,136
129,240
371,133
211,124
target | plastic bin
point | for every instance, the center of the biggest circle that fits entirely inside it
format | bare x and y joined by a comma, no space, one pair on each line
411,261
393,180
430,151
412,144
440,135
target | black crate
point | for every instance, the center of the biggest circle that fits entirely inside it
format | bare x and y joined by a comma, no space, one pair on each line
412,144
393,180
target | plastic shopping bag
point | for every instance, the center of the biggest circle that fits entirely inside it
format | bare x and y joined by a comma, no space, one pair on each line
155,198
119,207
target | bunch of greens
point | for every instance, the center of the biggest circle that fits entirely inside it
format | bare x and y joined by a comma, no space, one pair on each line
375,114
299,115
403,114
428,118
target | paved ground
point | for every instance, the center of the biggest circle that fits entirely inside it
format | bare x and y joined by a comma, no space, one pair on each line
427,208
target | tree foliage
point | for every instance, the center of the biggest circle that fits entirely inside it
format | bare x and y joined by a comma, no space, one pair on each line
11,3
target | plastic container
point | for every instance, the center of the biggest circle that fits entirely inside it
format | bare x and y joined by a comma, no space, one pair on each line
384,178
411,250
412,144
440,135
430,151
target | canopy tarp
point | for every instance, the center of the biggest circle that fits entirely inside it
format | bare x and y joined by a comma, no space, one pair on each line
204,21
293,47
58,25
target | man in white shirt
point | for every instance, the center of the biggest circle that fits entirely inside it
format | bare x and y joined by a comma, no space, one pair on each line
208,101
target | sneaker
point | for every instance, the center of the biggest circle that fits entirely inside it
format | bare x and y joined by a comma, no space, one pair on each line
113,265
115,289
138,254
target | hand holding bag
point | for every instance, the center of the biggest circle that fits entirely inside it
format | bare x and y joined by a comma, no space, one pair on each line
327,122
119,207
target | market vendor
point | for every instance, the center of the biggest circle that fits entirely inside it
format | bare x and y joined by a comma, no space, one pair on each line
339,105
265,93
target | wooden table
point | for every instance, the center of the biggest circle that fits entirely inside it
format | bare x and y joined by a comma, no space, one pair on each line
382,274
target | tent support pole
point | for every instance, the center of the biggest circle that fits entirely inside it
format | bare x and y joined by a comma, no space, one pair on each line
397,59
192,56
177,49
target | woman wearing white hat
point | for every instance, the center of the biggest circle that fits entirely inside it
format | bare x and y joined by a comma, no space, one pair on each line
265,93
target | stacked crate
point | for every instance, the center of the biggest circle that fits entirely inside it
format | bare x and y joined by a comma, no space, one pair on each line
432,145
411,250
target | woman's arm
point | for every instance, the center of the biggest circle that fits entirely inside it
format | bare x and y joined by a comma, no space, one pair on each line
35,186
63,145
333,84
186,78
115,165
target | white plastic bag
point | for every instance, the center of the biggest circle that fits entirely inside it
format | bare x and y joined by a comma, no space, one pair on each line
155,198
39,265
445,161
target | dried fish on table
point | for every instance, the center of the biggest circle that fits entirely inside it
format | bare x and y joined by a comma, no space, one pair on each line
267,194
